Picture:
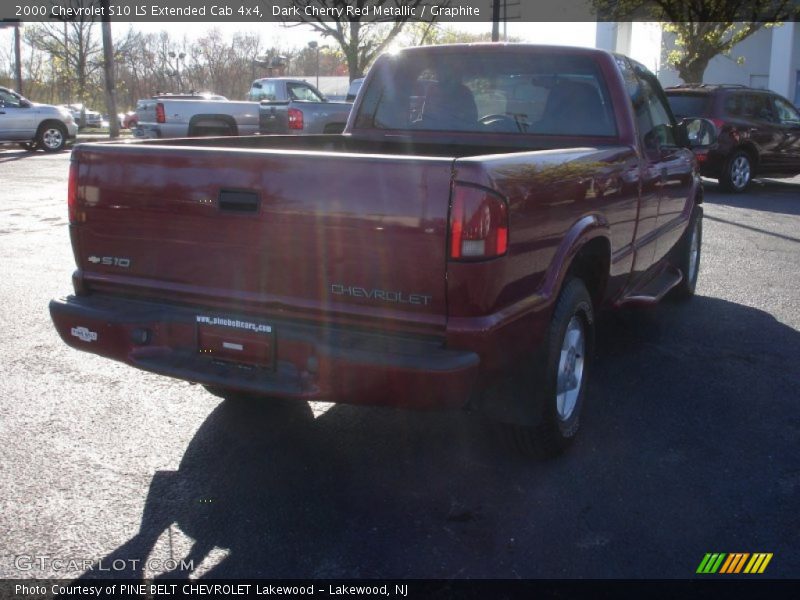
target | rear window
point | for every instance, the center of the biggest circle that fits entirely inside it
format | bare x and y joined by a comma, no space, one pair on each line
494,92
263,90
689,105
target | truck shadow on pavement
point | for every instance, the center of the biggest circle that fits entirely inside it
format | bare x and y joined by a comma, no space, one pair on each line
769,195
689,444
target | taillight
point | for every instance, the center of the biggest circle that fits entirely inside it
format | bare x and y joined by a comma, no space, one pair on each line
732,131
161,116
478,223
72,192
295,118
718,123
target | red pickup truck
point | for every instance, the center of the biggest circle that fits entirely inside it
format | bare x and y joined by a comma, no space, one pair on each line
449,250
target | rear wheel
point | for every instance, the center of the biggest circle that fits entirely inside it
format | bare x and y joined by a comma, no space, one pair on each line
737,172
559,385
687,255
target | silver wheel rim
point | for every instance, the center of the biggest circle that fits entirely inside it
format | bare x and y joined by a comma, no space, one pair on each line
52,138
740,172
694,251
570,368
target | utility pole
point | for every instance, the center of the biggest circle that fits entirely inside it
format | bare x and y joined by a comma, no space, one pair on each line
108,71
18,57
315,46
495,20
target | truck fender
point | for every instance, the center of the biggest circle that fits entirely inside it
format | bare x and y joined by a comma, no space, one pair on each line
200,122
502,401
581,232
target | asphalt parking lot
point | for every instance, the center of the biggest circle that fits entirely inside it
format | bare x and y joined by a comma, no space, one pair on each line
690,441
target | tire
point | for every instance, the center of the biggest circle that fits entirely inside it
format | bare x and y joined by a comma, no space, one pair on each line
51,137
737,173
565,362
687,256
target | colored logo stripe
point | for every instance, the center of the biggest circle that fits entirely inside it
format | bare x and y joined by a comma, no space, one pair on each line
710,563
758,563
734,563
720,562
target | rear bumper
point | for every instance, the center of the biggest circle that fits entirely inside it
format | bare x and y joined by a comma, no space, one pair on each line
147,132
310,361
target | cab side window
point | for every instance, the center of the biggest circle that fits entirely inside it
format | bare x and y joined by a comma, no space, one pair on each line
263,91
663,130
8,100
654,120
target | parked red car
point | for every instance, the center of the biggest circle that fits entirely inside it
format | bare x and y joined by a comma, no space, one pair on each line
130,120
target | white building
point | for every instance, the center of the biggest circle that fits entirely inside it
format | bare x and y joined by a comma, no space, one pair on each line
771,56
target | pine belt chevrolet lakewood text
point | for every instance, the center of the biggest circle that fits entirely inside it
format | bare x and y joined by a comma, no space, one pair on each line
449,250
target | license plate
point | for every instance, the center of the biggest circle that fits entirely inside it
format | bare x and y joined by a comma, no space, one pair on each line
235,345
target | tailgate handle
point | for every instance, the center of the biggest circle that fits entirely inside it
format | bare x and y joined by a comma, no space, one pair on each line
238,201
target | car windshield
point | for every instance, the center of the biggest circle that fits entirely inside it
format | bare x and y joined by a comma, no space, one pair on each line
689,105
510,92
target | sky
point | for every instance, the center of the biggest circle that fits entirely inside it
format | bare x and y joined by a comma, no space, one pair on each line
569,34
645,47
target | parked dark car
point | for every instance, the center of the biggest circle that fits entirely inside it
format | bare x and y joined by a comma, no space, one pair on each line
758,132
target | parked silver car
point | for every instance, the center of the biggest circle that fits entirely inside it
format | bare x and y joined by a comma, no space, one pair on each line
34,125
93,118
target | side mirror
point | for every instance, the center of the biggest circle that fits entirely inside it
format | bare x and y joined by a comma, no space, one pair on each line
24,104
697,133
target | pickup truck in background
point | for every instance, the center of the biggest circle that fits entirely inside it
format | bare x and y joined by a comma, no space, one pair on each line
34,126
194,115
295,106
450,250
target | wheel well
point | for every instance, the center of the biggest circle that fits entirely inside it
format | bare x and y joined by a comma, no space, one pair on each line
752,152
212,121
48,123
334,128
591,265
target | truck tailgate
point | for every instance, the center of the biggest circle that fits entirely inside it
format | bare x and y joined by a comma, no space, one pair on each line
352,237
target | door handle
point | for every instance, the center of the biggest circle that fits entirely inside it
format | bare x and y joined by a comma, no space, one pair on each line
238,201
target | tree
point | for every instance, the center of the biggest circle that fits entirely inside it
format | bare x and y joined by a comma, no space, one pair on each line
109,79
421,33
74,46
361,37
703,28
